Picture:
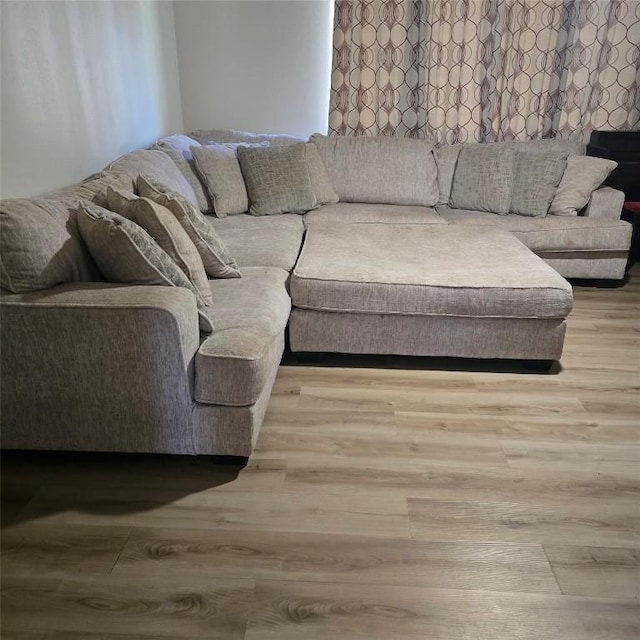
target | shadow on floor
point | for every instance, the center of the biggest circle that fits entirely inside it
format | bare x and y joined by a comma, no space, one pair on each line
122,482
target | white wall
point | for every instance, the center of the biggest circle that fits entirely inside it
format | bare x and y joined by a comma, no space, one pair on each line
82,83
260,65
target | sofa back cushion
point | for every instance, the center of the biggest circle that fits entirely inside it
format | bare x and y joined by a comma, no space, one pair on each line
93,189
483,178
178,148
320,180
382,170
40,245
157,165
535,181
221,136
446,160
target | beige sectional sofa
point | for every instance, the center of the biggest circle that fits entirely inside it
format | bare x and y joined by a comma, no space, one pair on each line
90,365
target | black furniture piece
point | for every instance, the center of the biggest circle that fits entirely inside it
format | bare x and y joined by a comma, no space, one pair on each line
624,148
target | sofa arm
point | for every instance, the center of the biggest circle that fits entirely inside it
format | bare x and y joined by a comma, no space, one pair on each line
95,366
605,202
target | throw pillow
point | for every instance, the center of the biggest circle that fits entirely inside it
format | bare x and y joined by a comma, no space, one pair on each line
320,180
40,246
583,175
156,165
483,179
218,166
165,229
277,179
126,253
536,180
446,159
215,257
178,148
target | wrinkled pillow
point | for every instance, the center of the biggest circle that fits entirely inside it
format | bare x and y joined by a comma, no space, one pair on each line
156,165
40,245
583,175
220,171
178,148
217,261
536,179
125,253
277,179
483,178
165,229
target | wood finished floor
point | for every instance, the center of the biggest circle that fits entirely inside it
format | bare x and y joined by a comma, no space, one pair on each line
397,502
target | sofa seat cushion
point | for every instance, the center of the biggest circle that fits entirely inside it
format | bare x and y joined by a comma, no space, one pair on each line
356,212
250,314
426,270
255,241
551,233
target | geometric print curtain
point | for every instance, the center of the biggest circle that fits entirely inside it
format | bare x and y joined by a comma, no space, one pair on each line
485,70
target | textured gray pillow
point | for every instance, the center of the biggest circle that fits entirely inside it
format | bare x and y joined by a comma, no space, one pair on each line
165,229
178,148
320,180
219,168
380,170
156,165
217,261
483,178
126,253
583,175
40,246
536,180
277,179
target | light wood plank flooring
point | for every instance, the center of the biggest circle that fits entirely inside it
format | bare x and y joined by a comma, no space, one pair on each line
388,499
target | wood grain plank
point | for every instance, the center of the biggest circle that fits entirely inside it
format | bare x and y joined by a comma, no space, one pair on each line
593,571
210,609
295,442
61,550
290,511
467,483
583,428
494,404
333,558
599,525
315,611
617,458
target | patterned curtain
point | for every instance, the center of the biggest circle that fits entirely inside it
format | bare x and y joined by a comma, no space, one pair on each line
485,70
